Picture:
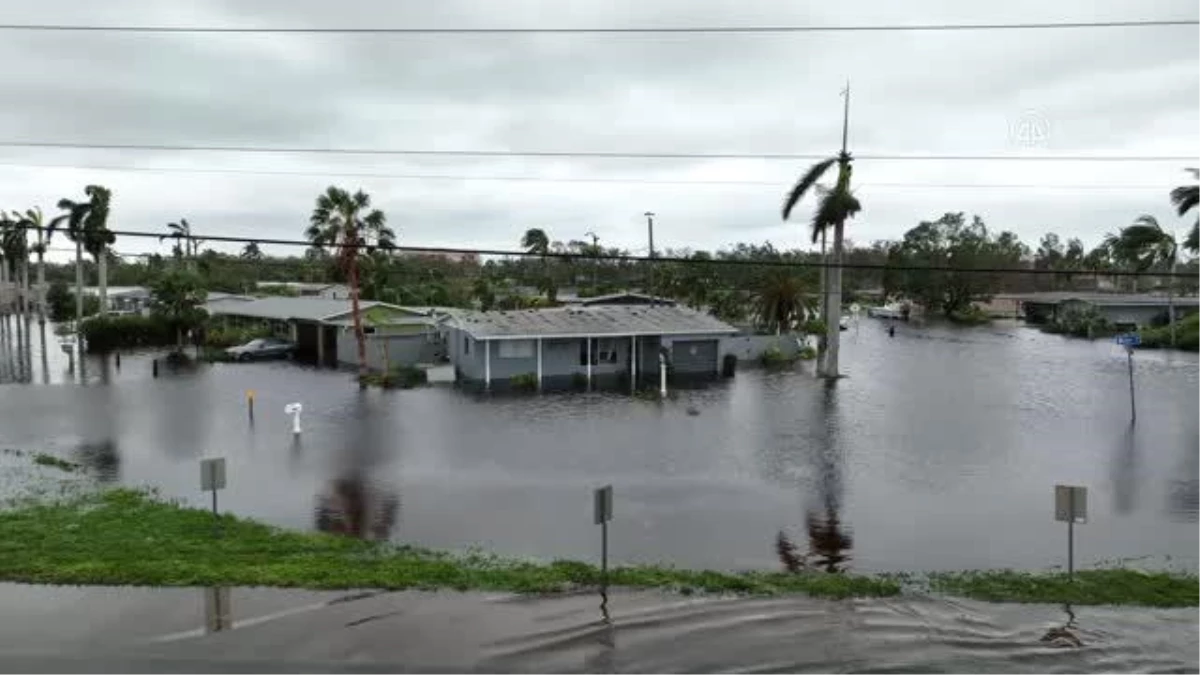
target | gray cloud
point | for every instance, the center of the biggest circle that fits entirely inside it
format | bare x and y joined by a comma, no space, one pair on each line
1114,90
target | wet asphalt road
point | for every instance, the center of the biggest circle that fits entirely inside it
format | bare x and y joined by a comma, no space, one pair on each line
157,630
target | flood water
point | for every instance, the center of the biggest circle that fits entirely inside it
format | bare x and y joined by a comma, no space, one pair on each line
939,451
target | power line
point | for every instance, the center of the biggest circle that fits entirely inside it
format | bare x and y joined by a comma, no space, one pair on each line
617,257
604,30
250,149
555,179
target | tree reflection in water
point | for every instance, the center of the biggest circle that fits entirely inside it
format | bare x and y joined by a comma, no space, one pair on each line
828,541
355,508
356,503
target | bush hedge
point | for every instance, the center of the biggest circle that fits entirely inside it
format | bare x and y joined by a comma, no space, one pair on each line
1187,335
129,331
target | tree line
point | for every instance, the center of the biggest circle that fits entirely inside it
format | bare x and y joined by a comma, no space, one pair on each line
774,290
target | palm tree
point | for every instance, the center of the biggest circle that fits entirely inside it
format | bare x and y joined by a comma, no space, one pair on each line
33,219
835,206
535,241
97,237
182,232
1146,245
779,302
252,252
87,226
14,249
73,219
347,223
1185,198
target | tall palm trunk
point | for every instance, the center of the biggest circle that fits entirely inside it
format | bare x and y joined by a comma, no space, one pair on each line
1171,300
102,272
359,336
824,284
25,287
834,309
78,285
41,279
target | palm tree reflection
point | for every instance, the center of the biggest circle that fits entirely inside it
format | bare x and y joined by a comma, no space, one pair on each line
828,545
829,541
354,507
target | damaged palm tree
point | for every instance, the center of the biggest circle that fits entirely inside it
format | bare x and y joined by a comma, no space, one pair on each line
834,208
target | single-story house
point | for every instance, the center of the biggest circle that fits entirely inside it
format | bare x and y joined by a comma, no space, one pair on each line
123,298
323,329
1127,311
310,290
563,345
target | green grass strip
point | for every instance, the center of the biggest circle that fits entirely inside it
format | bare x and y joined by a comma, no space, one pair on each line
1089,587
126,537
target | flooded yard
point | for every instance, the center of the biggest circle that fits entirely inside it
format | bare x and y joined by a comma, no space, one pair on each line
939,451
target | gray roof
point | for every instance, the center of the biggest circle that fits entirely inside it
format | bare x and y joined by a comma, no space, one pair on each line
615,298
306,309
1105,299
595,320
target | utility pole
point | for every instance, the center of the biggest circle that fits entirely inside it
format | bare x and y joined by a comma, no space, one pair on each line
650,231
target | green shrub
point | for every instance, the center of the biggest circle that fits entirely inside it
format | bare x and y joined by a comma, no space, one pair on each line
60,302
579,381
399,377
1187,335
969,316
808,353
525,382
1086,322
106,333
813,327
773,357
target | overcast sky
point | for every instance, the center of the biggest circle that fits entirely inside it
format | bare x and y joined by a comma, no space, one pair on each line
1096,91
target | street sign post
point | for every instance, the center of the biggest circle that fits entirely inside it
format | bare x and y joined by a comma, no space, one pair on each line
1070,506
212,478
602,501
217,614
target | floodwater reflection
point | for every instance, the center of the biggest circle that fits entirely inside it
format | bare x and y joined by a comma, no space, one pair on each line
355,507
357,502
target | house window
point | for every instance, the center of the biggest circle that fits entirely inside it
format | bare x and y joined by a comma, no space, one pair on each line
603,351
516,349
606,351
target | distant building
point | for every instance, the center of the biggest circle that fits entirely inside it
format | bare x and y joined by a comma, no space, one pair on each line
133,299
1125,310
449,256
598,343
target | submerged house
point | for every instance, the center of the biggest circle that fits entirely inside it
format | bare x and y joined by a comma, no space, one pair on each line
323,328
592,344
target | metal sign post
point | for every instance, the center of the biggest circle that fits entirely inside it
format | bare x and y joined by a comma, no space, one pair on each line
250,404
212,478
1129,341
1070,506
602,500
217,614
